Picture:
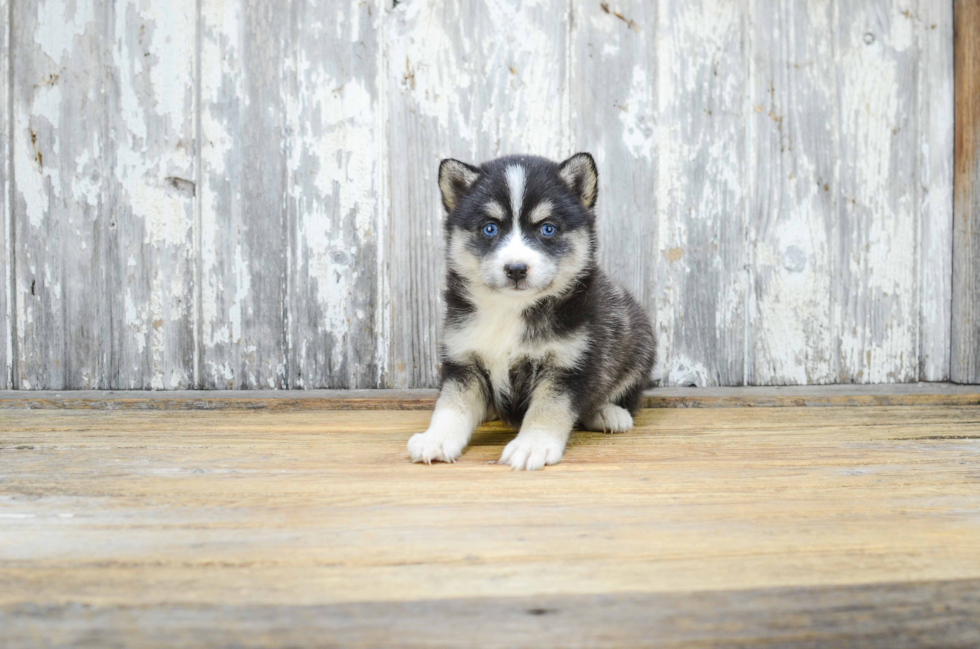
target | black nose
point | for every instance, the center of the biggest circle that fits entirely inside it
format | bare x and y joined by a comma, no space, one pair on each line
516,271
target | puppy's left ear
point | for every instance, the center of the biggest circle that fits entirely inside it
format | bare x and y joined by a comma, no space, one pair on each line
455,179
580,174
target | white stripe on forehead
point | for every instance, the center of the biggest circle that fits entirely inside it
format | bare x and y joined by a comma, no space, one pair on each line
516,179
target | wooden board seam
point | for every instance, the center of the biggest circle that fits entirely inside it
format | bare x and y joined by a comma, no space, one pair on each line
938,394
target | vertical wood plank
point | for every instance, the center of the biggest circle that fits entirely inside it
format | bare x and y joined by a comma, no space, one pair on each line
934,29
876,280
6,242
103,132
334,141
965,353
60,195
292,138
244,231
793,137
474,81
150,112
701,191
613,99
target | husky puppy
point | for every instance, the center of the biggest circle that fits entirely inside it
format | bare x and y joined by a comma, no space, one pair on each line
535,333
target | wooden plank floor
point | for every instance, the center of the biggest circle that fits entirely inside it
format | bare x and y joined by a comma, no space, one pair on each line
786,526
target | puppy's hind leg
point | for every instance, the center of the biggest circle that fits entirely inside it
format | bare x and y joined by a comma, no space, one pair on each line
459,410
615,417
609,418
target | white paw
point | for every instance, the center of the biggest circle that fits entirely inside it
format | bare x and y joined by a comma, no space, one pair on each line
436,445
610,419
532,450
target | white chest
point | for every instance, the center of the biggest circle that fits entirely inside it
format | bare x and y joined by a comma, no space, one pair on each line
495,337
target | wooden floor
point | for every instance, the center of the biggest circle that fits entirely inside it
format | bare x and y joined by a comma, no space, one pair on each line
786,526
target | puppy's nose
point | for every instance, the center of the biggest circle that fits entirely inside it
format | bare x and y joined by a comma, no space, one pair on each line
516,271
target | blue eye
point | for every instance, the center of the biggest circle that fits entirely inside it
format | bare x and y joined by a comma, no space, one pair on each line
490,230
548,230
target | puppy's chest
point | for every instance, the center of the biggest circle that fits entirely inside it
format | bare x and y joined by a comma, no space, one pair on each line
498,340
495,338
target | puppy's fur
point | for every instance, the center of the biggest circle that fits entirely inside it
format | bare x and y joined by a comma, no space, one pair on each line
535,333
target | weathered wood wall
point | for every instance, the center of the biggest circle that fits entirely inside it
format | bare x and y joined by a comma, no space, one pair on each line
241,194
965,356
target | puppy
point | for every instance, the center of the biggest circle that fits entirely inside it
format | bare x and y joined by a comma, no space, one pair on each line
535,333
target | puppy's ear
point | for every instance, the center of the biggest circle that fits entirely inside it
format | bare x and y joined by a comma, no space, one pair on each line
580,174
455,179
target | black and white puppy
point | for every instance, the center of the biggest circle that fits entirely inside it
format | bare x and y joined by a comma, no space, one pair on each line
535,333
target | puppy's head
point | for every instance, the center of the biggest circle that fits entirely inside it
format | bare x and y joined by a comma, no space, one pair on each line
520,225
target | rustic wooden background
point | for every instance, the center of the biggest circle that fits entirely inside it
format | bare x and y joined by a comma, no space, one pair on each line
242,194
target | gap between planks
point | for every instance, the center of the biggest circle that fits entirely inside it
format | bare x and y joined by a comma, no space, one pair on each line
907,394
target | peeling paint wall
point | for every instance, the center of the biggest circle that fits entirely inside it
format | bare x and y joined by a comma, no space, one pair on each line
241,194
6,212
965,312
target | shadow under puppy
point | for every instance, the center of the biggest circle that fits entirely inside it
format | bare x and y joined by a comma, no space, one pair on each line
535,333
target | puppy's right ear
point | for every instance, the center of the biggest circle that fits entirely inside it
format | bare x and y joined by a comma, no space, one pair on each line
455,179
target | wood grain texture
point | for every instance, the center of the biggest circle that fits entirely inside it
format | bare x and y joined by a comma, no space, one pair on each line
809,228
103,145
889,616
469,80
244,187
292,197
613,105
792,225
702,191
903,394
60,197
876,295
7,249
230,194
965,352
336,206
849,395
150,114
934,31
132,519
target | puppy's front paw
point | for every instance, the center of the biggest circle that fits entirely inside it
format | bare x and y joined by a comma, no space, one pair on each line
532,450
610,418
436,445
